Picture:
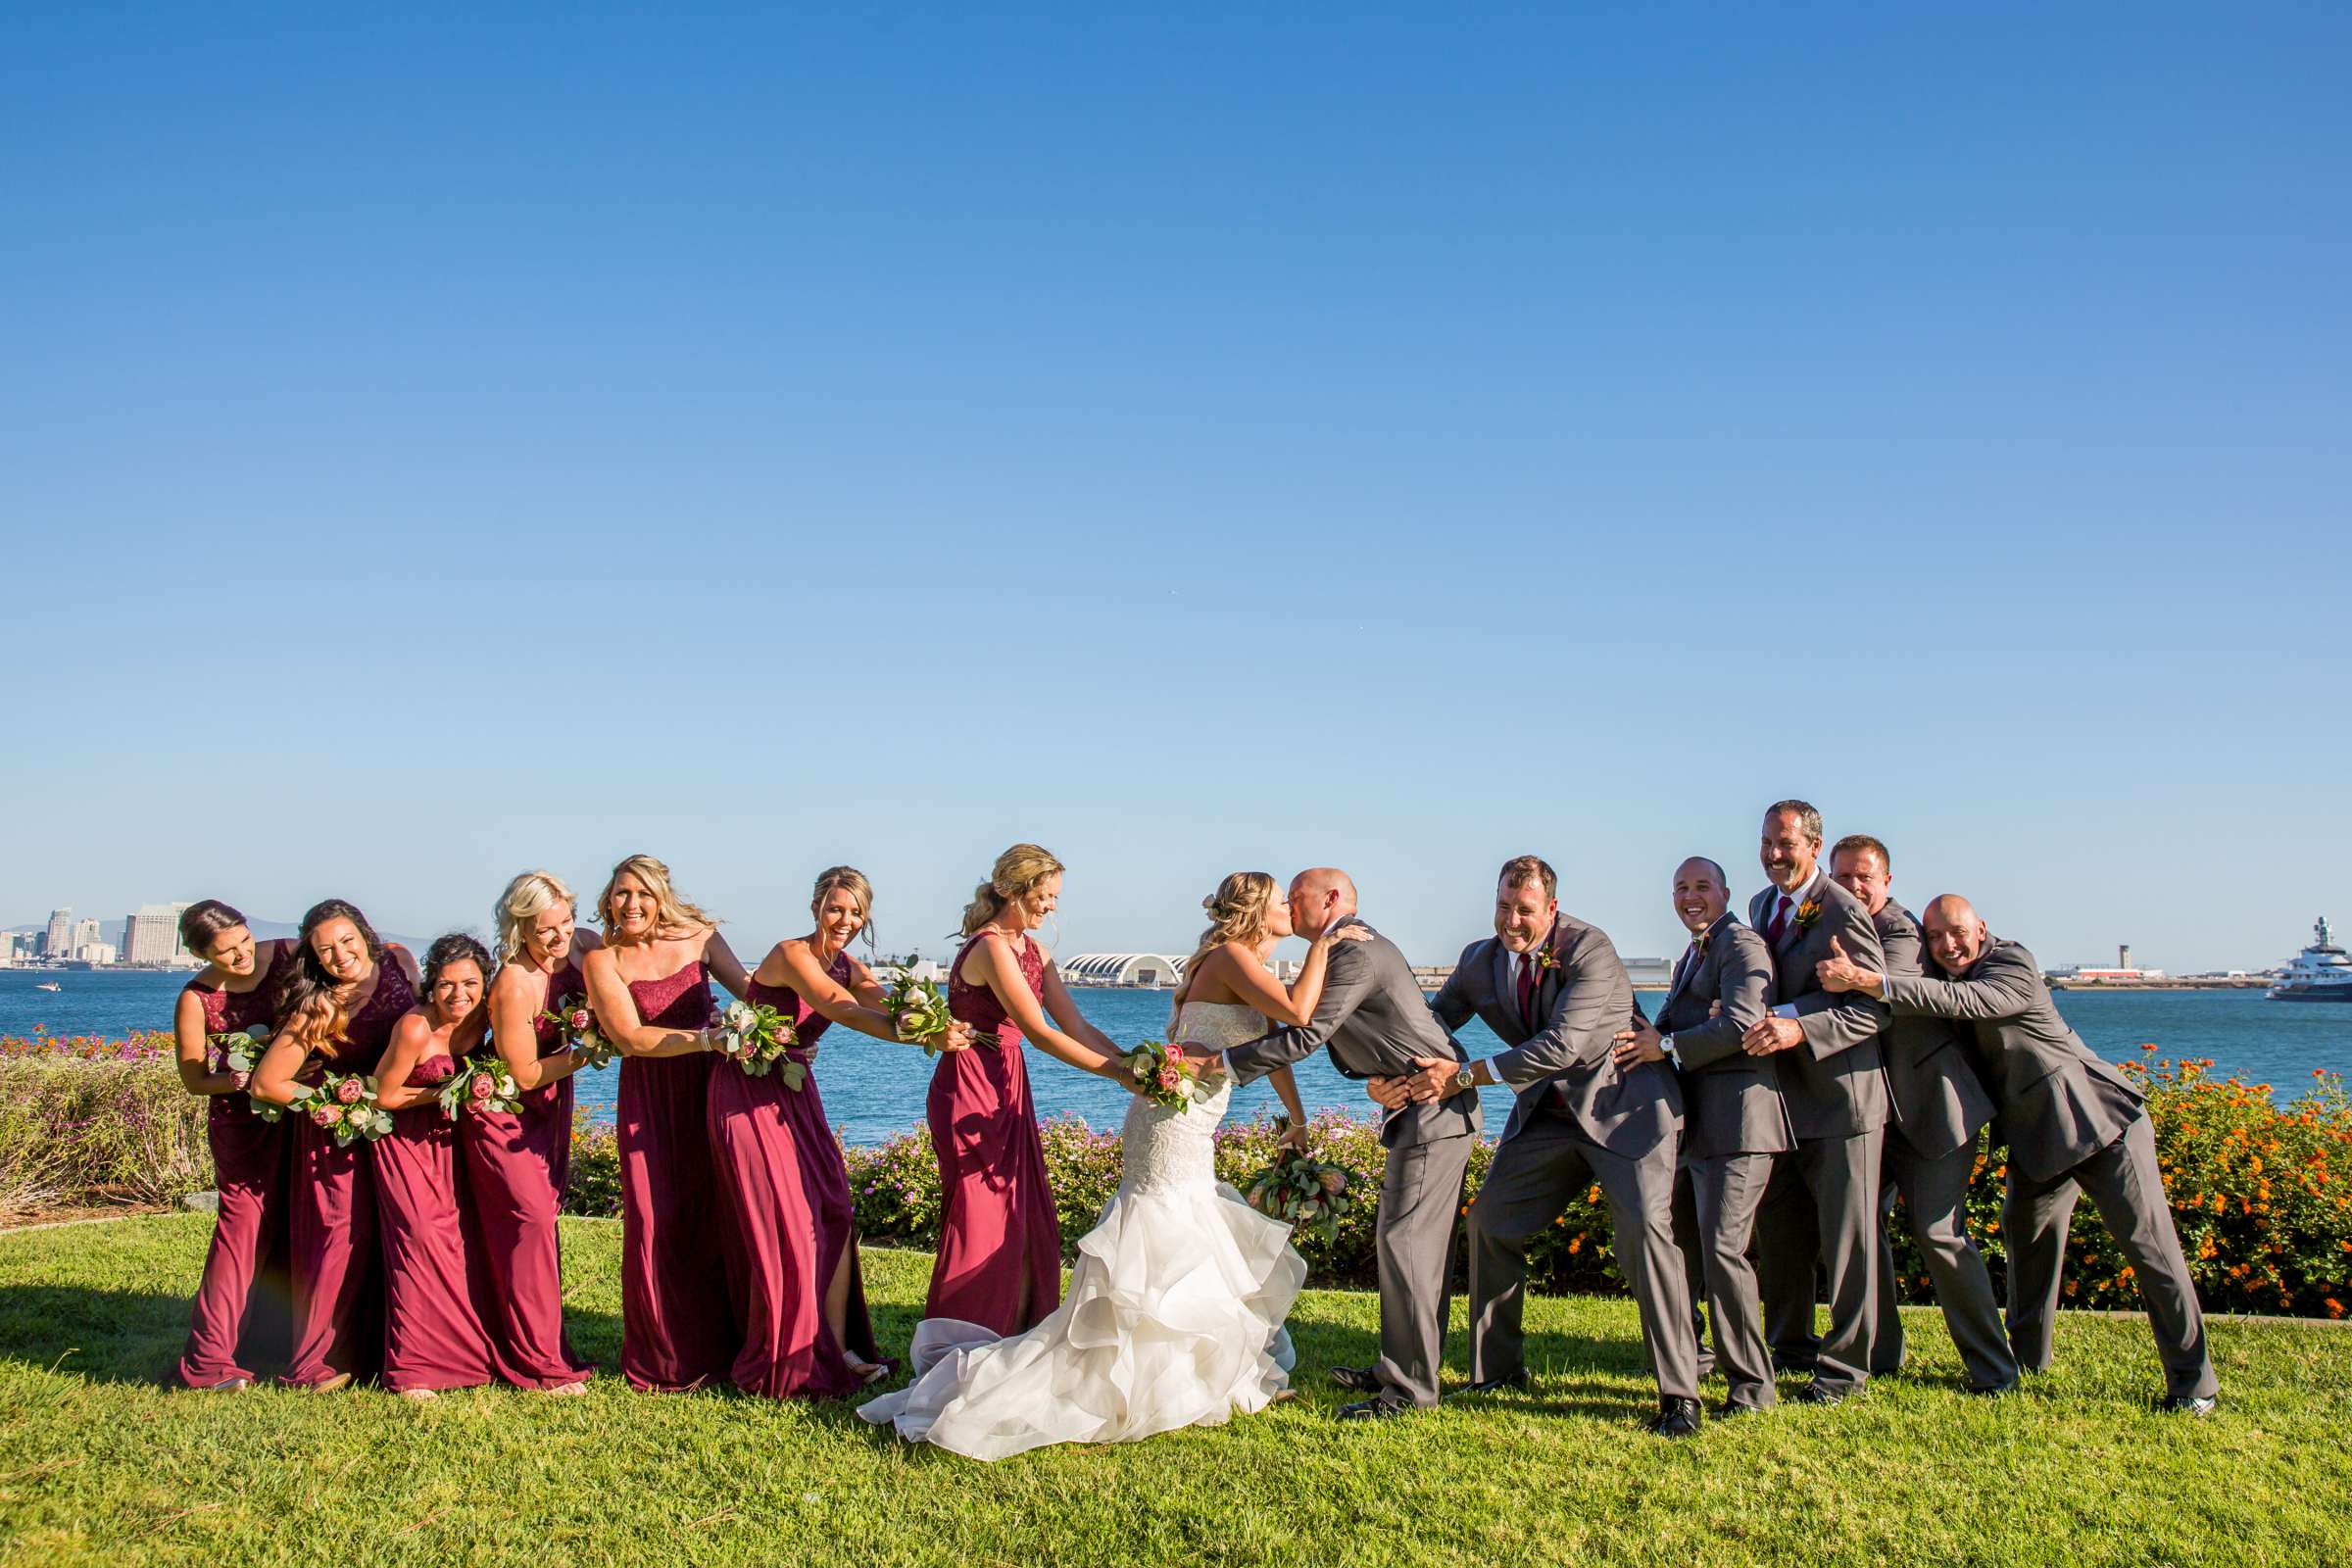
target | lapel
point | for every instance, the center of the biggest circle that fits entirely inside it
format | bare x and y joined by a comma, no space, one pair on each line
1690,970
1506,995
1792,933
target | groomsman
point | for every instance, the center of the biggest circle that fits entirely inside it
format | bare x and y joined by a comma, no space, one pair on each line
2073,1125
1733,1118
1553,990
1835,1089
1931,1149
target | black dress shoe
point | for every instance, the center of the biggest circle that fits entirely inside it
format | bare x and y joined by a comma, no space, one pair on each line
1820,1393
1378,1409
1359,1378
1508,1383
2190,1404
1990,1391
1676,1418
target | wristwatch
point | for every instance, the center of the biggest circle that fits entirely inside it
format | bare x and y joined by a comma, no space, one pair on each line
1463,1079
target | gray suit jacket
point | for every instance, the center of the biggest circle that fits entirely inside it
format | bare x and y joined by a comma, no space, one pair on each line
1374,1020
1580,1003
1732,1102
2056,1102
1938,1106
1835,1083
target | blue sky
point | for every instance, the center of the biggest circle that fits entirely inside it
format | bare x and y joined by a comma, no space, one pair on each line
432,445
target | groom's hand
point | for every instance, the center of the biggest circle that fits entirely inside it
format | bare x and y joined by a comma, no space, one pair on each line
1432,1078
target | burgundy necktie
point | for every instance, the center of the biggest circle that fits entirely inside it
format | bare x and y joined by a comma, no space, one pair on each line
1780,920
1527,990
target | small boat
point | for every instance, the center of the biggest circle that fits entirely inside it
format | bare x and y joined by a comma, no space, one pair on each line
2320,972
48,984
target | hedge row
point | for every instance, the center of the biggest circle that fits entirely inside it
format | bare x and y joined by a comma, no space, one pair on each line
2262,1193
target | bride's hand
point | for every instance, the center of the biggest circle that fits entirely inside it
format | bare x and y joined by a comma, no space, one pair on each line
1345,933
1293,1136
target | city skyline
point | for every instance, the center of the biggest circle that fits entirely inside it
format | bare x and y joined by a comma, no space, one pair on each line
1191,440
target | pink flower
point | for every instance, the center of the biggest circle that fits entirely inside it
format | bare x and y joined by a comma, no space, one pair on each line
349,1091
579,1019
1334,1181
326,1116
481,1087
1170,1079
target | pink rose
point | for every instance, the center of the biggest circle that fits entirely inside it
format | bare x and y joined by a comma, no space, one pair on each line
1170,1079
349,1091
1334,1181
580,1021
326,1116
481,1087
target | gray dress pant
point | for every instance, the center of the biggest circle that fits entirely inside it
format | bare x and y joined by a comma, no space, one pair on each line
1420,1196
1831,1183
1935,1195
1533,1177
1727,1190
2128,1189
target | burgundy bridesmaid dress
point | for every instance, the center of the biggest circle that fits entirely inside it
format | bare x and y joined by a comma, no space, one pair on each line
786,1196
1000,1243
338,1272
516,1165
244,1309
433,1333
676,1330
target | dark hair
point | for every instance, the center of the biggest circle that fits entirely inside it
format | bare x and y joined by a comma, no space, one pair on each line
1857,843
1521,870
447,949
202,923
1808,820
311,1000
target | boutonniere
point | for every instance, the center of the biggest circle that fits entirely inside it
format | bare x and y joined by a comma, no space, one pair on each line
1807,913
1546,958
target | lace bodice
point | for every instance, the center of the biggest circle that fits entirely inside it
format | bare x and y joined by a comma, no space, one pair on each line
1164,1149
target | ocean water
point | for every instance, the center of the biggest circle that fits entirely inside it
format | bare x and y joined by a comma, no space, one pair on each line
875,1089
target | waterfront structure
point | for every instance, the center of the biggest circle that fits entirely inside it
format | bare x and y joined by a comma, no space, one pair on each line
97,955
2320,972
152,935
2122,975
1155,971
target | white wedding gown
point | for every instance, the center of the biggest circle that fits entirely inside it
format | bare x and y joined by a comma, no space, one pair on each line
1173,1317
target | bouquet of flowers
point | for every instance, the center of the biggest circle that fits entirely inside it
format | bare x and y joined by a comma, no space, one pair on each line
756,1037
1164,1076
1307,1192
483,1085
344,1103
918,1011
238,1050
577,1026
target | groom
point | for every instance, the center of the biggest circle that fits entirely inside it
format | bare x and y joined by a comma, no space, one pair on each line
1376,1023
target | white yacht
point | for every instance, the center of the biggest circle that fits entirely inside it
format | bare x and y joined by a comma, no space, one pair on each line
2320,972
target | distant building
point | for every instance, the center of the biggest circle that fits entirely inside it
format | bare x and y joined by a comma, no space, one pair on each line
1153,970
59,939
86,934
152,935
2122,975
95,952
12,947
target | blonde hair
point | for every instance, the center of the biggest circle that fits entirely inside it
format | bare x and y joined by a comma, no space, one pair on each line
1017,870
530,895
1236,912
673,916
848,877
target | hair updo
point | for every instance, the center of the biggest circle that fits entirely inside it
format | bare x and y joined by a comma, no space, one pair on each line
847,879
454,947
1018,870
204,922
1236,912
528,897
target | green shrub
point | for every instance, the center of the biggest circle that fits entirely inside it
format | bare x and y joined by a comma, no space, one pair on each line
115,1128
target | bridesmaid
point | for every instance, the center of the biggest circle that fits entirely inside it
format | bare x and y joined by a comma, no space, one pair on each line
517,1164
1000,1246
791,1241
650,988
243,1295
344,992
433,1333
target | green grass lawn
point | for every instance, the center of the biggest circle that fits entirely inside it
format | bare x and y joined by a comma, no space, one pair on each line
100,1463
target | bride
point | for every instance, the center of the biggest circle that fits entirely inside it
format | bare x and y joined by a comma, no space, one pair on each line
1176,1303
